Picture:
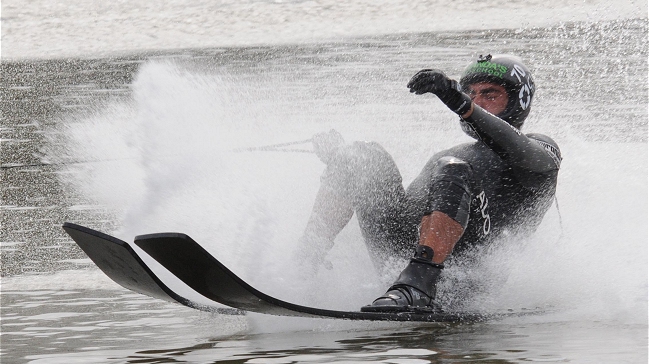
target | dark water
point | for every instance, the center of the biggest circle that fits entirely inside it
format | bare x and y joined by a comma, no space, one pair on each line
122,327
592,81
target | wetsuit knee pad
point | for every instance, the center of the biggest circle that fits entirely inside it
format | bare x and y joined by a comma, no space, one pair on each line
450,190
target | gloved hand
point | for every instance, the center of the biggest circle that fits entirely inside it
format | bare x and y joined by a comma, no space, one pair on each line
311,254
448,90
326,144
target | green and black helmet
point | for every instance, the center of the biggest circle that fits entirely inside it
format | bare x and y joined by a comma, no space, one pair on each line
513,75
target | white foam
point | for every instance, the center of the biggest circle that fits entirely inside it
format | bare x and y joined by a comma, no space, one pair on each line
597,267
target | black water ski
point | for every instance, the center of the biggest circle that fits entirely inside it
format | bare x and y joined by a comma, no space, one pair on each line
122,264
192,264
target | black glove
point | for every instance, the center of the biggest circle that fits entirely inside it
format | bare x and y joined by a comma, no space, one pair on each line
448,90
325,145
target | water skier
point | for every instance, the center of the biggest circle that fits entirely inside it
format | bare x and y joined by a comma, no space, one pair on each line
468,195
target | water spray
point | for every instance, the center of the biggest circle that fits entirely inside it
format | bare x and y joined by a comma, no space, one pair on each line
265,148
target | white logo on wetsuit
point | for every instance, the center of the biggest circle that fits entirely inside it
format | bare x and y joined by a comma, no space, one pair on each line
484,203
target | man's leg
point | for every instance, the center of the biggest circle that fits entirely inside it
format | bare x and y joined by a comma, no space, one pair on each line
330,214
362,178
441,229
440,233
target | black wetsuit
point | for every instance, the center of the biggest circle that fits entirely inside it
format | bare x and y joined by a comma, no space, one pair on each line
504,183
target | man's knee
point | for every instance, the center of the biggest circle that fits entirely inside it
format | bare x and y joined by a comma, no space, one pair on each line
363,169
367,158
450,189
452,169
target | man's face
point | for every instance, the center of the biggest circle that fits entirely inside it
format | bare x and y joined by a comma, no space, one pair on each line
489,96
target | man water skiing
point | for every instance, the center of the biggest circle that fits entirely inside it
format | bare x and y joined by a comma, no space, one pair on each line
465,196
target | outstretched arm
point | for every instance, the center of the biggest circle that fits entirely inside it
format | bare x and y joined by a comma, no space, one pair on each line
538,155
517,149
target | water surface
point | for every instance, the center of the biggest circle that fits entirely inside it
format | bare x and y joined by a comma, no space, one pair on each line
144,143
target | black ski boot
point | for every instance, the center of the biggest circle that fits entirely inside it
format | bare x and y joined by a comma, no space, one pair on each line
415,289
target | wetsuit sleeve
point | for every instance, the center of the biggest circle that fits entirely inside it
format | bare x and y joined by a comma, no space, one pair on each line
531,157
